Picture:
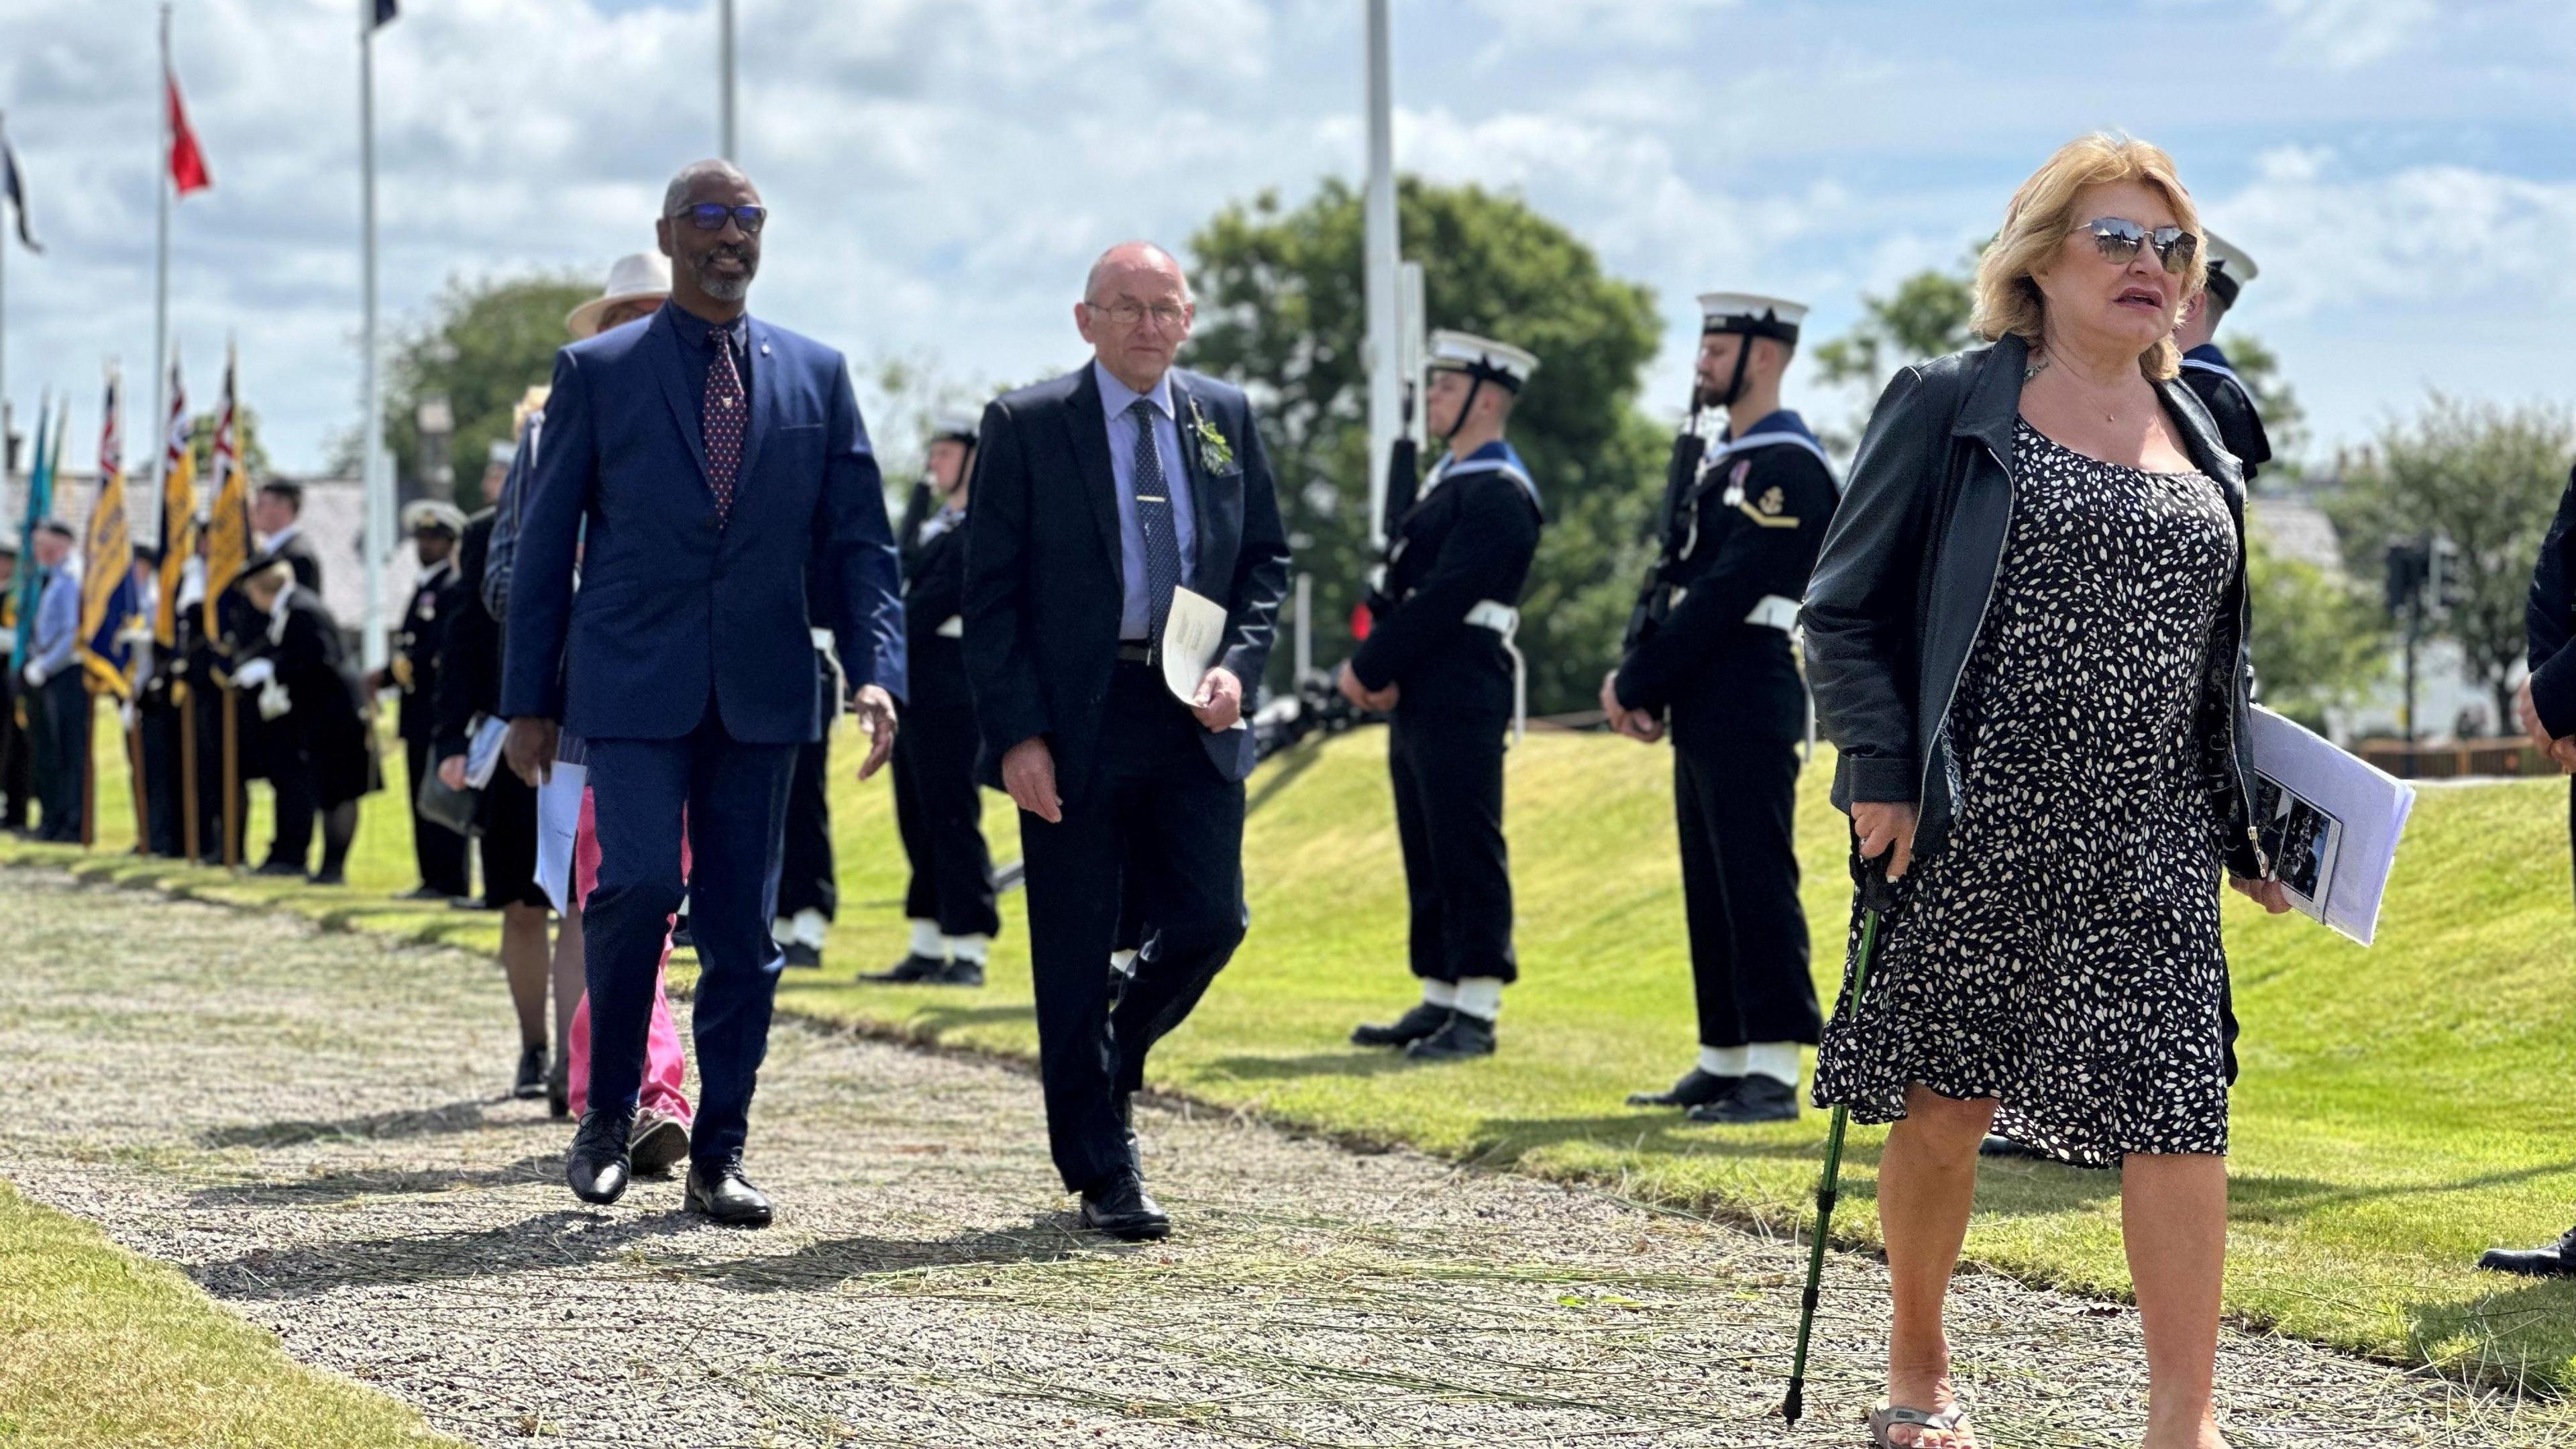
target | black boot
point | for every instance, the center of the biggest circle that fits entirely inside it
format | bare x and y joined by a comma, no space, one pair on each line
717,1189
1421,1021
1757,1099
598,1167
1463,1036
531,1081
1697,1088
2556,1261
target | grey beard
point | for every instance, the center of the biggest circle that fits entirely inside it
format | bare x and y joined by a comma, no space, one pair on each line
725,291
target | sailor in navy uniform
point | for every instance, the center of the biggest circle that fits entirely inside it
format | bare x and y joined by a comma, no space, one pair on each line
937,808
1439,655
1710,659
2204,368
439,852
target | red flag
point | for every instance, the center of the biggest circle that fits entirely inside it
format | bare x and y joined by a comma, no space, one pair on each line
187,163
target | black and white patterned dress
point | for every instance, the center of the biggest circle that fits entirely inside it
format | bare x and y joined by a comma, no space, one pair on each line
2062,952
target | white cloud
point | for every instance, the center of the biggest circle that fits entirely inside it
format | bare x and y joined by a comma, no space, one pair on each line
2346,34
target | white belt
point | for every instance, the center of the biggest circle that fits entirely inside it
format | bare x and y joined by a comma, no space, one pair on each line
955,628
1505,620
1774,612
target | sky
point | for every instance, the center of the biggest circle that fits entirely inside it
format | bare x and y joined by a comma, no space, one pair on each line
941,172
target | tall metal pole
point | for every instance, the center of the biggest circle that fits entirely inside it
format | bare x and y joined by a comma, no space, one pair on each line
1385,377
4,326
161,188
724,84
372,479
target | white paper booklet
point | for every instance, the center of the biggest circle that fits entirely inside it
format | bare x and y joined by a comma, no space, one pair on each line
1193,636
559,819
2329,822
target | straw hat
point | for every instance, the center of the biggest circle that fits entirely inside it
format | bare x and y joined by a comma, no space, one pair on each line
642,277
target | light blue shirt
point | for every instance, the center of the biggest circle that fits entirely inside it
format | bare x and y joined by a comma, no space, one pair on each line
1135,618
57,619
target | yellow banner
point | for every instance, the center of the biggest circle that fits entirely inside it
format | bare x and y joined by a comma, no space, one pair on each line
228,527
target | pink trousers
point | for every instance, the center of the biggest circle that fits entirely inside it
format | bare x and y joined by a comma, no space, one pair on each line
662,1062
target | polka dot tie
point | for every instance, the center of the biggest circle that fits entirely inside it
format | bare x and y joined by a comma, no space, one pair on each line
1154,521
723,419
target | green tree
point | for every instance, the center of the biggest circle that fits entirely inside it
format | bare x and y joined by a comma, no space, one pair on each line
2486,478
2319,640
1282,312
483,345
201,442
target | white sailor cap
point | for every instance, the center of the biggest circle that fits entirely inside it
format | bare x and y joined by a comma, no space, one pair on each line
2229,268
953,427
423,515
1751,314
1481,358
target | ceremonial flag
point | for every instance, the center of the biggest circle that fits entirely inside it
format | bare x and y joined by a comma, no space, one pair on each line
108,604
187,163
13,189
228,527
40,502
178,513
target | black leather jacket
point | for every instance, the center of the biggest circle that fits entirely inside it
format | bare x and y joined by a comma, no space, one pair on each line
1909,566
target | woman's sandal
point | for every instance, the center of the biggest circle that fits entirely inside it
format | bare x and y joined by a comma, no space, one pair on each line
1950,1425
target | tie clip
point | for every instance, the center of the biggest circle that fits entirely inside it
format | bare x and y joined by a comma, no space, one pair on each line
1151,498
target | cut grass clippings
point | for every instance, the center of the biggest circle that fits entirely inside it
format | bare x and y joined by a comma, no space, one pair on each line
2402,1107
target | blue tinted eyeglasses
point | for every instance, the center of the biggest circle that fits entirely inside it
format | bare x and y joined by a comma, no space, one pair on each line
710,216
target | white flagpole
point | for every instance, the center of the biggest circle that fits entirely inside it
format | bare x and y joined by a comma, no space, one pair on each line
161,255
371,481
724,84
1380,254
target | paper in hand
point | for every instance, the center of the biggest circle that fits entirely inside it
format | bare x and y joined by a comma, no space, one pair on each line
2329,822
1193,635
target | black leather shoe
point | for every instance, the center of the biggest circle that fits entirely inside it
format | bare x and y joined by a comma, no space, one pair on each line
530,1083
1121,1208
1423,1020
1464,1036
2558,1260
598,1167
957,973
804,957
718,1190
1998,1145
910,968
279,867
1696,1089
423,893
1757,1099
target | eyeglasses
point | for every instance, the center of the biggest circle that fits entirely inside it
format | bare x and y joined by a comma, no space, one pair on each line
710,216
2118,241
1168,316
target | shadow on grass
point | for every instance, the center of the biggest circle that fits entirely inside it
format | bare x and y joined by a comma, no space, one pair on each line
1293,762
2265,1199
337,1187
464,1116
1356,1062
2523,1333
1505,1141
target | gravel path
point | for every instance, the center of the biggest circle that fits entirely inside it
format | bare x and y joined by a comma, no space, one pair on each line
307,1123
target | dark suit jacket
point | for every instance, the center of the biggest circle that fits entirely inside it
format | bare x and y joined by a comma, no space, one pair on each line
2550,621
673,609
299,555
1043,590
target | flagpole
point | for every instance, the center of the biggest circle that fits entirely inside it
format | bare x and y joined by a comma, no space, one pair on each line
1381,255
371,480
4,329
724,84
161,253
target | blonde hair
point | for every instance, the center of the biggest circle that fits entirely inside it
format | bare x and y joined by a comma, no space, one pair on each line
2043,212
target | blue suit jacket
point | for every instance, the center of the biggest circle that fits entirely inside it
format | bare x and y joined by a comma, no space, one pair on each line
672,608
1043,587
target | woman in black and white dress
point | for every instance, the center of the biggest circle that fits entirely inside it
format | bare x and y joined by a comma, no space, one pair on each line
2026,635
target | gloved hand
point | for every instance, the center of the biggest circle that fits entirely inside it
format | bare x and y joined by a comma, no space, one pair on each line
272,700
256,672
35,676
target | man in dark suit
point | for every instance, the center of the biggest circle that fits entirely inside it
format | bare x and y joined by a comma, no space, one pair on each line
1098,497
698,462
276,521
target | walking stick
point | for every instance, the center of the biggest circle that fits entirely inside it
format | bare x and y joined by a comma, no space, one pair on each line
1877,894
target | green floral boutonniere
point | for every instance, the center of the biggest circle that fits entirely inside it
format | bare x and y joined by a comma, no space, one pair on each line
1216,455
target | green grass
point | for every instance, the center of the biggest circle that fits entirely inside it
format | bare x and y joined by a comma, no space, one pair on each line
2402,1107
75,1309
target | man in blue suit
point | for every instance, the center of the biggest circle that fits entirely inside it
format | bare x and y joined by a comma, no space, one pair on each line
694,467
1099,496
